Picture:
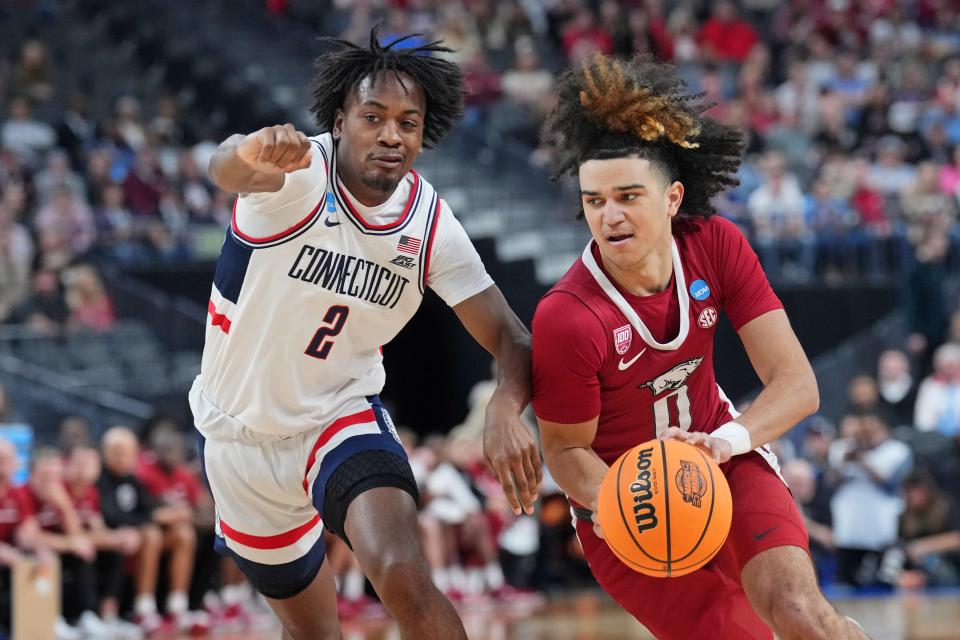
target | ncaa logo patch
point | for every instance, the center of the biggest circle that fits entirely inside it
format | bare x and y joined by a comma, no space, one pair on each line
622,337
700,290
707,318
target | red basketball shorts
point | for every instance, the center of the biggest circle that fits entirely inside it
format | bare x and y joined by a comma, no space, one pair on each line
710,602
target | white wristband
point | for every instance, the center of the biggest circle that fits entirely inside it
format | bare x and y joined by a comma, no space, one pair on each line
736,434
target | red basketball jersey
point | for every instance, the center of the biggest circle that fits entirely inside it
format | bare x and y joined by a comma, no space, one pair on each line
645,363
173,487
49,517
14,508
87,503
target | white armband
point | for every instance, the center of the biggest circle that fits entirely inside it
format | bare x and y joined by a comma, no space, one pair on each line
736,434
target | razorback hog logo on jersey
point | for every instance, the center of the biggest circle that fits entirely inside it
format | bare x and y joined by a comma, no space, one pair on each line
622,337
674,378
642,488
691,483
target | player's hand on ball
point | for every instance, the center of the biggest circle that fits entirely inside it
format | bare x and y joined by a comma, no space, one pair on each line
512,455
719,449
277,149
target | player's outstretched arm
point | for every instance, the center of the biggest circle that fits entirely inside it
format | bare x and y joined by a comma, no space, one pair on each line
257,162
789,390
508,446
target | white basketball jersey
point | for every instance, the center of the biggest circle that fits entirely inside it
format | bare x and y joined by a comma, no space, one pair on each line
308,287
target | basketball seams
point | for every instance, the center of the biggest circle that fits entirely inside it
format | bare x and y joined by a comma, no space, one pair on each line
666,500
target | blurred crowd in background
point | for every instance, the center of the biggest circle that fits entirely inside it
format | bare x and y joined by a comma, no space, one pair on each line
851,113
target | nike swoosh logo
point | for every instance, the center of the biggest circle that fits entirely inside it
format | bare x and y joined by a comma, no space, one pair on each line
764,534
623,366
327,222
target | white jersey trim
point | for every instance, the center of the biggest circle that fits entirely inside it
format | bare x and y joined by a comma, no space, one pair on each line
617,298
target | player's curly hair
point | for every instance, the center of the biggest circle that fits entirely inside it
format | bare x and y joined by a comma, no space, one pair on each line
340,71
613,108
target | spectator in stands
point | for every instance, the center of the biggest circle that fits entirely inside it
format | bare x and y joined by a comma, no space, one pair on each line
100,173
938,398
949,178
112,544
801,477
45,310
896,386
77,130
797,98
834,223
866,505
90,306
682,27
33,75
582,36
125,503
74,431
890,173
528,84
67,216
645,32
923,204
927,312
195,189
176,492
24,135
145,184
849,85
14,512
118,236
725,36
57,174
780,229
56,526
863,397
129,124
930,533
873,120
16,258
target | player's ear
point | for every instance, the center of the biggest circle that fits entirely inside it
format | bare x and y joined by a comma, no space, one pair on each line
337,124
674,196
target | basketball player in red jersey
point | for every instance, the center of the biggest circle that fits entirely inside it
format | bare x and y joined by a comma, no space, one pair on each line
623,347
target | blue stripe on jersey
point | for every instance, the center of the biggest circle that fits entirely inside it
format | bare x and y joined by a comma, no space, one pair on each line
232,267
385,440
277,581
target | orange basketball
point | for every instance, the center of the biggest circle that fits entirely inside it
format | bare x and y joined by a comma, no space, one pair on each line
665,508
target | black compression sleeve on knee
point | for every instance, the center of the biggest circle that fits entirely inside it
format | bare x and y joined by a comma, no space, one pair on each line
359,473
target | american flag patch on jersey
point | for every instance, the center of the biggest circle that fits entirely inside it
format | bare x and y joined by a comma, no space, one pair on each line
408,244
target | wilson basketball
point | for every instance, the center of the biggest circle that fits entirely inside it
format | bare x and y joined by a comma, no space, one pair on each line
665,508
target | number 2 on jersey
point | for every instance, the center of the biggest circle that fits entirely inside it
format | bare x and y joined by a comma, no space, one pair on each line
676,405
335,318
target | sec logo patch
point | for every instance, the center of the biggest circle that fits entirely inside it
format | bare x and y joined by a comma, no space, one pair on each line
707,318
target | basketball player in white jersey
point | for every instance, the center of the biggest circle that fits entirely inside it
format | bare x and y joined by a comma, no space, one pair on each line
333,240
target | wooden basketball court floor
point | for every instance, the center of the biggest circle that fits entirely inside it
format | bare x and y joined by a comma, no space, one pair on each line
593,617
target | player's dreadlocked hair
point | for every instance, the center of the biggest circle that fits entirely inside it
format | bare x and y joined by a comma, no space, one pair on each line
611,108
341,70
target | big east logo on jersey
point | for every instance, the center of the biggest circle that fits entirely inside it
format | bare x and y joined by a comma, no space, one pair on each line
622,337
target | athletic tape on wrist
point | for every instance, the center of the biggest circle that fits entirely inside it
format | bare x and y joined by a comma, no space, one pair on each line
736,434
